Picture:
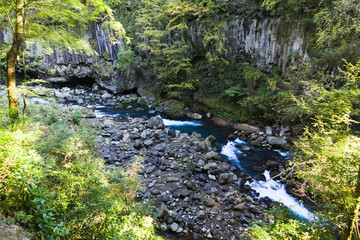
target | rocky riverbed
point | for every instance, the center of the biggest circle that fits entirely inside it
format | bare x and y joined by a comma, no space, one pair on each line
199,194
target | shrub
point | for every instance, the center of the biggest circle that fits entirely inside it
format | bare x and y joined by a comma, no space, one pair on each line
53,184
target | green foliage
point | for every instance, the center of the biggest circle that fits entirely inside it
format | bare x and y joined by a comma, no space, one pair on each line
327,155
61,22
161,37
293,9
283,225
52,183
338,32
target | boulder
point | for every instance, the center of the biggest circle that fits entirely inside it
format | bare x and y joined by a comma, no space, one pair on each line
246,127
162,210
155,122
87,113
171,108
11,232
174,226
211,155
239,207
272,164
210,166
277,141
219,121
209,202
201,214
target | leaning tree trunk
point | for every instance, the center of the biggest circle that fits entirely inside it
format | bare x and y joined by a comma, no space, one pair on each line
354,211
11,60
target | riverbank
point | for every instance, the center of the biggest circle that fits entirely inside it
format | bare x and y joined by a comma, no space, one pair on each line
198,192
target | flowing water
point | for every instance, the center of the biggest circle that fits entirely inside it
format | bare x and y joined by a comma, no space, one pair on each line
247,161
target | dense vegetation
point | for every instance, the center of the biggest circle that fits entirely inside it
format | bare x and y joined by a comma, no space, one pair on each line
58,189
321,94
186,67
52,183
327,159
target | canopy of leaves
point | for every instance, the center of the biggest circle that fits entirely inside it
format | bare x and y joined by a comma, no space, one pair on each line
59,23
328,156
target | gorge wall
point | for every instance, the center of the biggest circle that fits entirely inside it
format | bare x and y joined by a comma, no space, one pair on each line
266,42
62,66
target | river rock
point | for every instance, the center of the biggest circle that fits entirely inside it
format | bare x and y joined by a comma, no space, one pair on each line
221,121
268,130
272,164
201,214
210,140
283,130
211,155
231,137
172,179
171,108
174,226
257,142
172,133
245,148
162,210
155,122
11,232
106,95
185,193
210,166
246,127
142,101
148,142
239,207
87,113
126,137
277,141
209,202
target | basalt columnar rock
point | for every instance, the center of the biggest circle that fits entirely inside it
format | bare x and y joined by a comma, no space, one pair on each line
267,42
62,66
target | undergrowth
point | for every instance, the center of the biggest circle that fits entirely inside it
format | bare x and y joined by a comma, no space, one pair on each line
52,183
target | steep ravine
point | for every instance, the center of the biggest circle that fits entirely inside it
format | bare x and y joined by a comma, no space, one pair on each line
199,193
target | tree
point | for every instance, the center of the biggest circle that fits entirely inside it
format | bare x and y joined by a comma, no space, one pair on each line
56,22
328,155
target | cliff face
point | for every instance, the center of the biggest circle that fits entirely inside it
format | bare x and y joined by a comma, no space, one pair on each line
267,42
64,66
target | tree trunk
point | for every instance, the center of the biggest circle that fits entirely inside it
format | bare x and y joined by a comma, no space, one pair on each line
11,60
354,211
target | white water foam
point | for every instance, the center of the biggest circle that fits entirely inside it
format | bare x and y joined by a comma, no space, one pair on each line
100,114
99,106
230,151
240,142
178,123
269,188
282,153
276,192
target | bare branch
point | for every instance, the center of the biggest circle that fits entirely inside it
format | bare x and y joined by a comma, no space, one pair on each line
9,19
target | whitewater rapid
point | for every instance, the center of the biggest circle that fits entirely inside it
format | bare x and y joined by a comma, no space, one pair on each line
270,188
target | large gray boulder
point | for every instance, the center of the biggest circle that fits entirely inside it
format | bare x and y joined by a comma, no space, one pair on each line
246,127
277,141
155,122
11,232
171,108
